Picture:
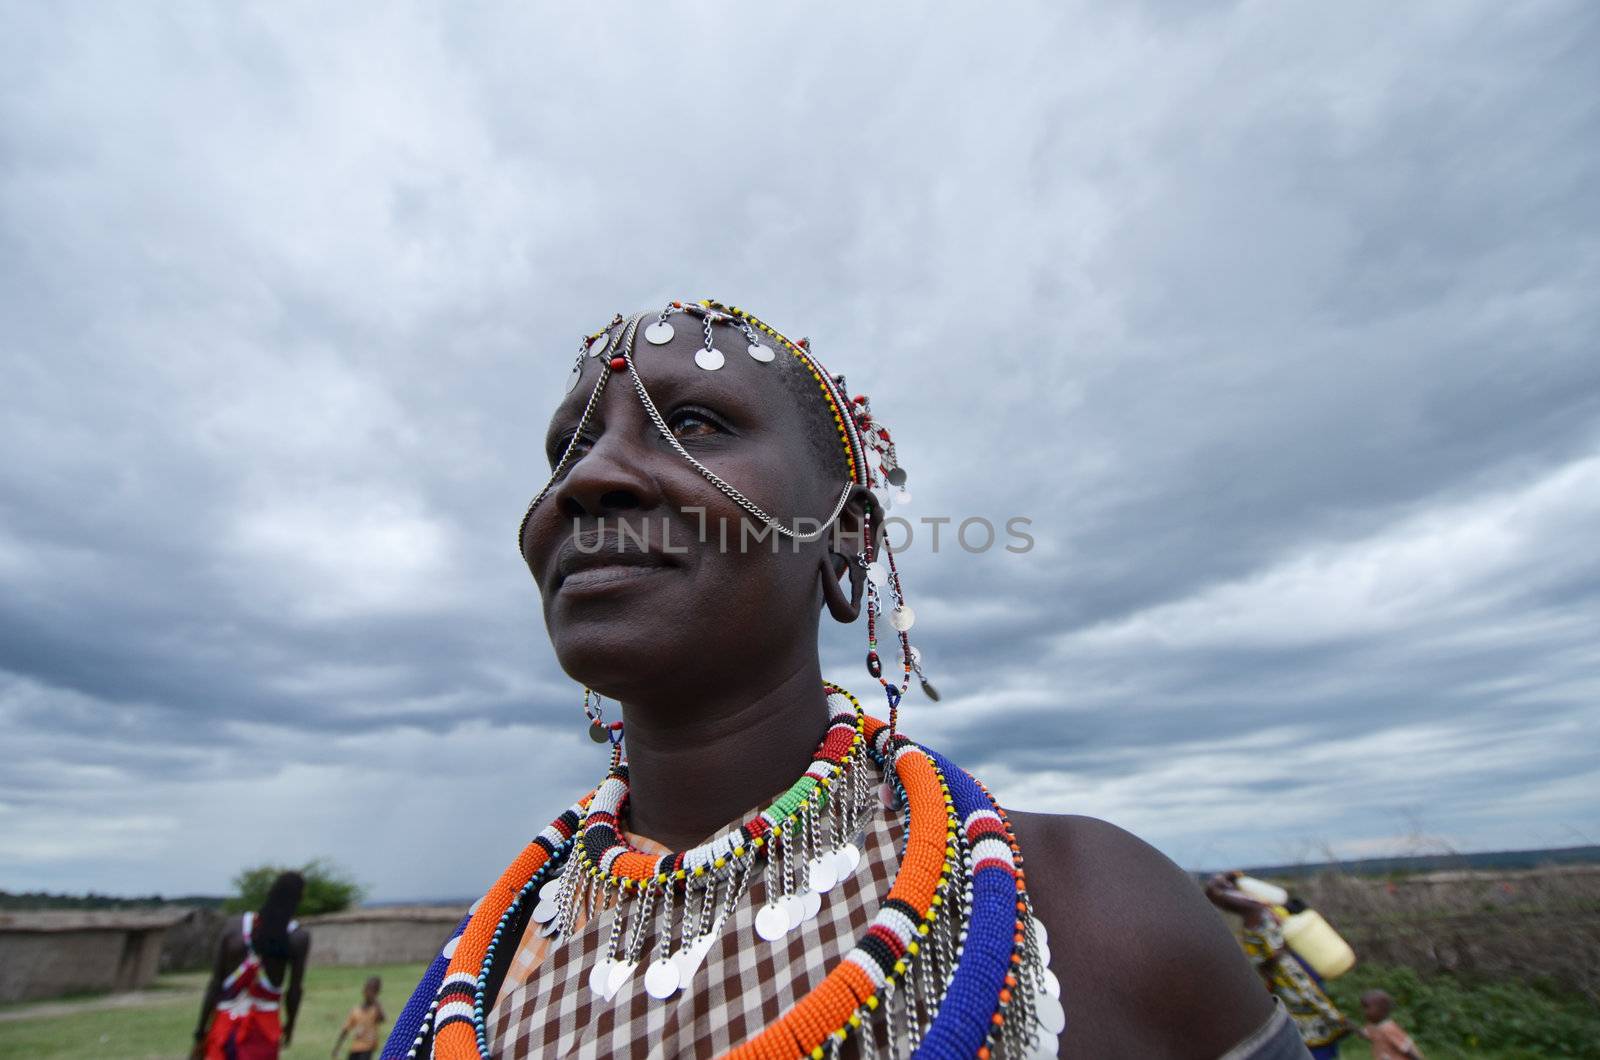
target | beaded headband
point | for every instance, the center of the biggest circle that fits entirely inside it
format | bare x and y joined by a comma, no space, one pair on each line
869,450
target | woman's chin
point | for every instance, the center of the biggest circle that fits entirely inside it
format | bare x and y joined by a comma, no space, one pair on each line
615,667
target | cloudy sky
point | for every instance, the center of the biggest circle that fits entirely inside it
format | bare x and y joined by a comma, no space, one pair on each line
1278,321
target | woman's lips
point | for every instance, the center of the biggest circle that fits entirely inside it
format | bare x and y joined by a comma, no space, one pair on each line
612,576
598,560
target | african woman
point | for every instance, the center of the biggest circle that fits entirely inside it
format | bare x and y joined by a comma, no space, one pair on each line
239,1017
769,868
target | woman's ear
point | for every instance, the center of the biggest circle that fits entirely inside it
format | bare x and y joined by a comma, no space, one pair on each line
847,543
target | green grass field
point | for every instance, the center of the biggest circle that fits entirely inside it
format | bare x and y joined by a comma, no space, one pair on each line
161,1023
1495,1021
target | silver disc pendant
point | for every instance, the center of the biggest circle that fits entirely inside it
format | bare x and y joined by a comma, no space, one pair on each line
930,691
874,459
1051,1015
761,353
659,334
1052,985
550,890
599,345
878,574
620,970
897,476
572,378
661,978
599,976
1040,932
822,873
1044,1047
545,911
688,962
810,905
709,359
902,618
793,908
690,957
772,923
849,860
902,497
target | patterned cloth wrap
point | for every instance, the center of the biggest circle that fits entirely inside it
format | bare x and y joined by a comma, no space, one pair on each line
1318,1021
744,984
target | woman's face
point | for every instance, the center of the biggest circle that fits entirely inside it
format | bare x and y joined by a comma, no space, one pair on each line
649,572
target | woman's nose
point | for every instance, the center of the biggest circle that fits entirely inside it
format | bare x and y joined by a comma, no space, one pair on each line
611,477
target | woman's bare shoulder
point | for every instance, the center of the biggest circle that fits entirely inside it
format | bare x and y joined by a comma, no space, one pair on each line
1147,966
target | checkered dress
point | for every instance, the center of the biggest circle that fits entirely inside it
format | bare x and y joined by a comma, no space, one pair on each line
744,984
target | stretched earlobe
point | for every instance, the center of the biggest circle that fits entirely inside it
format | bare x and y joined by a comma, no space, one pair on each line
842,609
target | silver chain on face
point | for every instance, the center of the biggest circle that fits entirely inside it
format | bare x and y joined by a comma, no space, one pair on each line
711,476
627,337
565,462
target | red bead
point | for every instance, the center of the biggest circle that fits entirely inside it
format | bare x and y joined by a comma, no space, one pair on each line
619,364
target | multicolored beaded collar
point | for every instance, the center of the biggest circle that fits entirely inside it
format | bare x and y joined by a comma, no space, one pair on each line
810,823
953,964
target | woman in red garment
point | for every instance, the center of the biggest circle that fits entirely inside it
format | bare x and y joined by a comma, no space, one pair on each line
247,983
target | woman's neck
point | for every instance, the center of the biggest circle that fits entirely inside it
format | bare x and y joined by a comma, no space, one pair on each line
694,768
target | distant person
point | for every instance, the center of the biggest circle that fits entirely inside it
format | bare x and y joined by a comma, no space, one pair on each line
362,1023
1388,1041
1287,977
242,999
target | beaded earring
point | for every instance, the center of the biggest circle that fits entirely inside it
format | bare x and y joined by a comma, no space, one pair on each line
885,591
600,731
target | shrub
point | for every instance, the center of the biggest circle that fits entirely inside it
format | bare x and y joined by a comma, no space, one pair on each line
1504,1017
328,888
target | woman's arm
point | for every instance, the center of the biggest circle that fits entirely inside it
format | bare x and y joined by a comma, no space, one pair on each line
1147,966
208,1004
299,948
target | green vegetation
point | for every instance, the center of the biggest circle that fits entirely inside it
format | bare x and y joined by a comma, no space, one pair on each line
328,888
1505,1020
161,1023
1449,1019
31,900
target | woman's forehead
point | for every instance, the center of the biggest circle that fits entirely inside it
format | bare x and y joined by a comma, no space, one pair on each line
670,372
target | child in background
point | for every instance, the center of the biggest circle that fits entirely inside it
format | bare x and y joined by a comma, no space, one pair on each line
362,1023
1389,1042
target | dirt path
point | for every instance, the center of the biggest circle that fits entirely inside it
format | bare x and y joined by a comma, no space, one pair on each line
174,990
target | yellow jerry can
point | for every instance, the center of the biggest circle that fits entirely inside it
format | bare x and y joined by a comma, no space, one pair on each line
1314,940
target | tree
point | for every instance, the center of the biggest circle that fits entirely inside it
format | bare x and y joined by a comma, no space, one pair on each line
328,888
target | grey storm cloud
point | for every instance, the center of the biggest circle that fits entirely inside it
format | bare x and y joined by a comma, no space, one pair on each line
1277,322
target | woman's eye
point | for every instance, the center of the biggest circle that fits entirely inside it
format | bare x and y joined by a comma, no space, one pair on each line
560,447
686,423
